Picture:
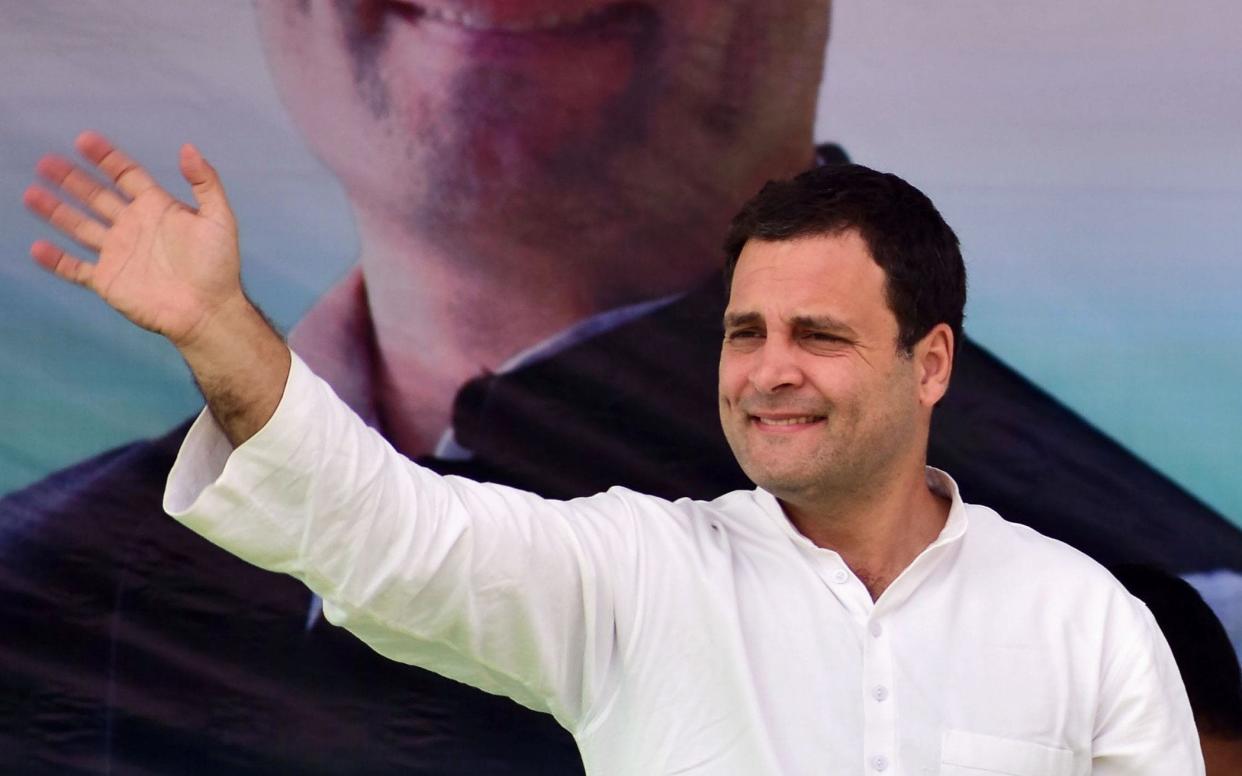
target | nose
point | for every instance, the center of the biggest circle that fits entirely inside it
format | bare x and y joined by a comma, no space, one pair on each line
777,367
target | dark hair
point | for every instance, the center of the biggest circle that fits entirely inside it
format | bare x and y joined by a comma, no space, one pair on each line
1199,644
906,236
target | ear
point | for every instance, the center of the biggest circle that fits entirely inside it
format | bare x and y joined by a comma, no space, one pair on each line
933,357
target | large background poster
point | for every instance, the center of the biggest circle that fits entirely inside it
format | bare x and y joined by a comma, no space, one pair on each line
1086,155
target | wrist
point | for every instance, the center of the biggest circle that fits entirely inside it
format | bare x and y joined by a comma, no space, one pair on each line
240,364
219,330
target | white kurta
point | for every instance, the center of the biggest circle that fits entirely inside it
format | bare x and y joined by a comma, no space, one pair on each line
696,637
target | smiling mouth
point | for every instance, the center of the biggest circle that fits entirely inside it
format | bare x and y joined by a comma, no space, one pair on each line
585,20
801,420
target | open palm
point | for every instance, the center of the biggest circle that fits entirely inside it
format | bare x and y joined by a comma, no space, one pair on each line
164,265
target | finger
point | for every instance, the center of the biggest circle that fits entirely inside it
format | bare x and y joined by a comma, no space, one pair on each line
127,174
96,196
64,217
61,264
205,184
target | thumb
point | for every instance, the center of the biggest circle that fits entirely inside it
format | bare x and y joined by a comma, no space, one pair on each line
205,184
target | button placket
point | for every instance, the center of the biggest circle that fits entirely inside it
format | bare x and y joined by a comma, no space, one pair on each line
879,709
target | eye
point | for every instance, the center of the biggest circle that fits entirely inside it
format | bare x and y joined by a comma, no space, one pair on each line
823,342
742,334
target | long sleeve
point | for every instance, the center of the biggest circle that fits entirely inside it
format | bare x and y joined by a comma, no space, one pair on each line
485,584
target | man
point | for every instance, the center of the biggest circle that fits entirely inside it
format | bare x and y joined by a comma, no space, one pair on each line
512,174
852,613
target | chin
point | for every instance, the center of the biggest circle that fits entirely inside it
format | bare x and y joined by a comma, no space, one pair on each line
783,484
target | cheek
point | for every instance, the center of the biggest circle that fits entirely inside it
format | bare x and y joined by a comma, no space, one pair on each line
888,403
316,84
835,381
734,375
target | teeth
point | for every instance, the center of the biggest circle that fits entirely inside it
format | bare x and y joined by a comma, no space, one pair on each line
787,421
478,22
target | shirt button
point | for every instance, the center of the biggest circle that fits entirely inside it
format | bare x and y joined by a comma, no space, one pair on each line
876,629
880,692
879,762
840,576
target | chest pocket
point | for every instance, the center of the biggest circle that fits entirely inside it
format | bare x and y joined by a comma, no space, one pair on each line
972,754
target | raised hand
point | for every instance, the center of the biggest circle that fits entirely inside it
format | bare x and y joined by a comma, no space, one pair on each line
164,265
169,268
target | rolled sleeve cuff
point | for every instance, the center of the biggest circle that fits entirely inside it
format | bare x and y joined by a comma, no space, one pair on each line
249,500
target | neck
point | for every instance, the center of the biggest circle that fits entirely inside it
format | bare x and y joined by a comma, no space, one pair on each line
878,533
446,313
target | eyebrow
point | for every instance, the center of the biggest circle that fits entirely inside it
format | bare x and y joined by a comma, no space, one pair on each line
734,320
816,322
822,323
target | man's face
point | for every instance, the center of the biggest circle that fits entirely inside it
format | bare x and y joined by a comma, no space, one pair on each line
539,113
815,397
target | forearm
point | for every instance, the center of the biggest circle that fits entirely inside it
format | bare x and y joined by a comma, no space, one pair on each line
241,366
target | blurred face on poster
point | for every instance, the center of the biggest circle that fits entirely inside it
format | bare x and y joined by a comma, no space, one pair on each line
534,119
